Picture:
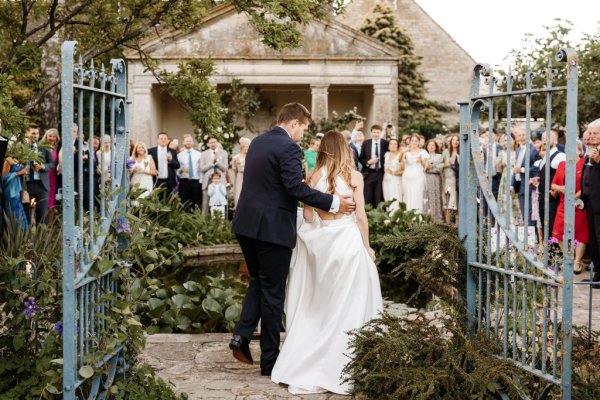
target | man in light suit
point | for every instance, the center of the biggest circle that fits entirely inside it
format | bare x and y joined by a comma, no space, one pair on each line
166,163
372,157
213,159
38,183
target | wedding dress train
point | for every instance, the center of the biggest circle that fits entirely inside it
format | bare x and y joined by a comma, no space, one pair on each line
333,288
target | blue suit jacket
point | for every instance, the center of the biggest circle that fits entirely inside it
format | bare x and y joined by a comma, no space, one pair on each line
272,186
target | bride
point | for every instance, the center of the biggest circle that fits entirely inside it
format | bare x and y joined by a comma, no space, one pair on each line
333,285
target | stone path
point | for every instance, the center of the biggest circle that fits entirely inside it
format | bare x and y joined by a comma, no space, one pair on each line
202,366
581,297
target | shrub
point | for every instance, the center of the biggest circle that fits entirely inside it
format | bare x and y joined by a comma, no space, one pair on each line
404,358
142,385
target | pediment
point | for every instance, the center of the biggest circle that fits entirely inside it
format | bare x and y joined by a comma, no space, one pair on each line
227,34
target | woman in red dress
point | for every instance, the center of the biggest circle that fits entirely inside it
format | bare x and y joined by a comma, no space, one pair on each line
581,225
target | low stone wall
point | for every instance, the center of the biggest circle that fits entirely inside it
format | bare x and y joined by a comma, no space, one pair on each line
216,254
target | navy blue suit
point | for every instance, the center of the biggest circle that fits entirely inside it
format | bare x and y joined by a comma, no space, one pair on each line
265,225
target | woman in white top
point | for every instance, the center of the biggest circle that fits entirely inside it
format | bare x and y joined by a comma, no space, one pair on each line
413,162
333,286
103,158
143,170
238,163
392,177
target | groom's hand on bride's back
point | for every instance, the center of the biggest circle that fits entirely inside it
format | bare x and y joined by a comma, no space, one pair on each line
347,204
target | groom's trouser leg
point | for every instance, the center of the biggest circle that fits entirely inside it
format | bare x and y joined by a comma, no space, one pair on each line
251,307
268,265
274,261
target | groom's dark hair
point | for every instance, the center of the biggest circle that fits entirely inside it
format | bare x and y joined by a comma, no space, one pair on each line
292,111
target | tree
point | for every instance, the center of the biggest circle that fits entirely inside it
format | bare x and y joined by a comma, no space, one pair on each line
30,32
213,113
414,109
536,53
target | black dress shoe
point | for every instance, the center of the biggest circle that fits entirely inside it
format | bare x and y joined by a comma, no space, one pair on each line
241,349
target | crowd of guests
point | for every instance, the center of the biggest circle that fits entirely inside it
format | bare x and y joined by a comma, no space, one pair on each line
525,201
419,173
204,181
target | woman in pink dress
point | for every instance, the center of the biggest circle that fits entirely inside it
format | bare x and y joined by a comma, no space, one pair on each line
51,137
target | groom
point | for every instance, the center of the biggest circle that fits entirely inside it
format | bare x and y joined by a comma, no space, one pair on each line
265,226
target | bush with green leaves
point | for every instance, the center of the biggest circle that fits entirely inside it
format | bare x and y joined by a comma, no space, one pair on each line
384,223
210,304
161,229
408,358
31,314
143,384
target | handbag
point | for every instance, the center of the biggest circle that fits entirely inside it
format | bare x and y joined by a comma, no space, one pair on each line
25,199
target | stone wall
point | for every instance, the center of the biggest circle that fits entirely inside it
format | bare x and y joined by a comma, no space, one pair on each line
445,64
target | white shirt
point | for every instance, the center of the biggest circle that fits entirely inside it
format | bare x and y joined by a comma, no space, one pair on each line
378,142
163,167
560,157
184,161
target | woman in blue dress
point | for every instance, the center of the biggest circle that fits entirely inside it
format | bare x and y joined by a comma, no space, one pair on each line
11,180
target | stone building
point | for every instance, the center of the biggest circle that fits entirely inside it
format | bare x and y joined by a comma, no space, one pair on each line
337,68
445,64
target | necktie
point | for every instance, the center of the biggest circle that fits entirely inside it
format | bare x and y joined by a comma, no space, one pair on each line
377,155
190,165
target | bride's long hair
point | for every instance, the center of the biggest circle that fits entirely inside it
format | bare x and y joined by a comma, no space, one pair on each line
335,155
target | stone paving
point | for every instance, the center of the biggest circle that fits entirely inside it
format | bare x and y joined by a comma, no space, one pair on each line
202,365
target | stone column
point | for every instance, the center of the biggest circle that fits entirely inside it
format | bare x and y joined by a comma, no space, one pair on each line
142,115
320,101
384,100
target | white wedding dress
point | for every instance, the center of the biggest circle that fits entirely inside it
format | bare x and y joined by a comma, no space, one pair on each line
333,287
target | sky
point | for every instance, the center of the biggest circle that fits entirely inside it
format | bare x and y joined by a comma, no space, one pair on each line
488,31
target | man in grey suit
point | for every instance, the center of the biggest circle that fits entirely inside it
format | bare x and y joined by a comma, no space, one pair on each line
213,159
38,183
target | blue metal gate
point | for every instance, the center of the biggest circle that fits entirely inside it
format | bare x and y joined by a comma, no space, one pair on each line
93,195
519,294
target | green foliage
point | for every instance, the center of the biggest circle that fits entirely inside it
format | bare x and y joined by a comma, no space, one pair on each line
191,87
339,122
537,52
166,299
415,111
161,229
433,256
408,358
28,346
208,304
104,28
212,113
143,384
385,223
240,104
